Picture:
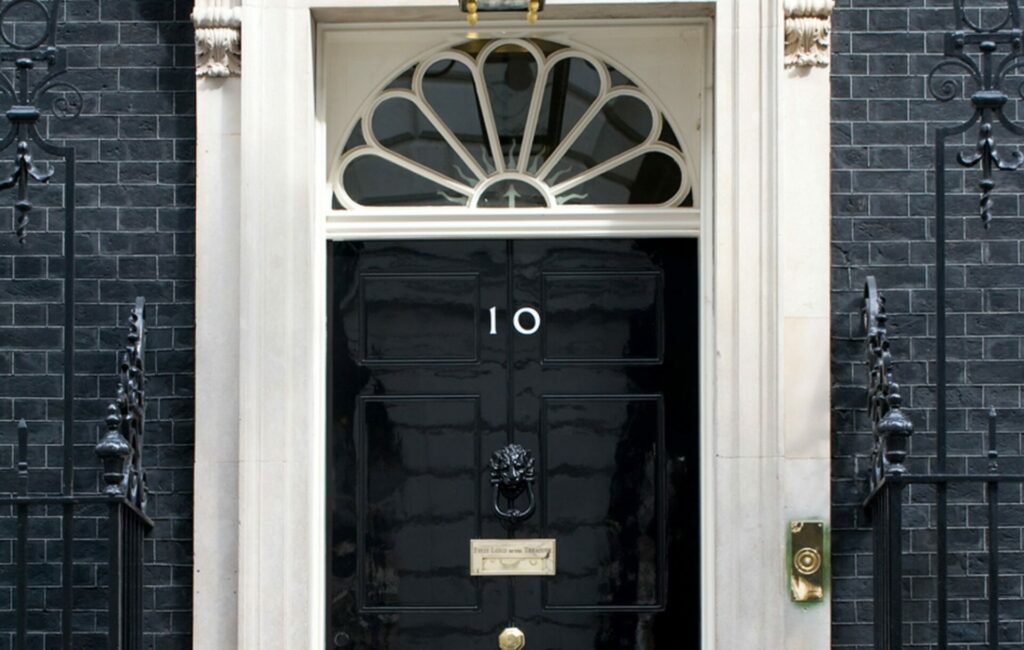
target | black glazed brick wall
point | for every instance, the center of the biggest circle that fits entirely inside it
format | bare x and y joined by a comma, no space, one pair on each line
134,62
882,208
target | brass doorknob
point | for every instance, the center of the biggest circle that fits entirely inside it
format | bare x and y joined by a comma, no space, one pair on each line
512,638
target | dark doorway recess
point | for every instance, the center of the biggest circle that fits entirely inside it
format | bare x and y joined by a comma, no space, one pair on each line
585,352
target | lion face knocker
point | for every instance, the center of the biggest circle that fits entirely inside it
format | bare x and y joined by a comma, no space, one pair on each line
512,474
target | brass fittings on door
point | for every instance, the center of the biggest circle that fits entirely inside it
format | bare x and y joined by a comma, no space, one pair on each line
807,561
472,8
511,638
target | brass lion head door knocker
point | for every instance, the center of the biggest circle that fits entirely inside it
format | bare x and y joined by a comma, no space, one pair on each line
512,475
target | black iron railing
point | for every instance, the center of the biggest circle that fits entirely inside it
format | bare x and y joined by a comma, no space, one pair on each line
124,502
76,556
890,483
892,430
924,605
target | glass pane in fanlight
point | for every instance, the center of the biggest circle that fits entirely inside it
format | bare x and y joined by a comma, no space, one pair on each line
570,89
668,136
650,179
373,181
510,73
548,47
512,194
623,123
400,126
402,81
620,80
449,88
355,139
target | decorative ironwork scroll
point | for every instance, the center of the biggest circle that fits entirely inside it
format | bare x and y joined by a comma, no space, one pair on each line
28,30
126,523
985,56
890,425
31,86
983,50
31,65
121,448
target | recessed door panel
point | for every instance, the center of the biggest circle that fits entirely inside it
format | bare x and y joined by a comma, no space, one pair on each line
601,317
415,319
604,495
420,472
582,352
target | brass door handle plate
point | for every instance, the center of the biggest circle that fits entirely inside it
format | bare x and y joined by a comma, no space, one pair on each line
511,638
807,561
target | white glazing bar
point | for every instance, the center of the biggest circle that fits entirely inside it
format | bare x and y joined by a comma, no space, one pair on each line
511,224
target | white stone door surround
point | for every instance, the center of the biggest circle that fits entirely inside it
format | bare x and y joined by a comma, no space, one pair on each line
259,504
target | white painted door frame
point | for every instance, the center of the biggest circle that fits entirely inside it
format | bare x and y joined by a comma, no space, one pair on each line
766,351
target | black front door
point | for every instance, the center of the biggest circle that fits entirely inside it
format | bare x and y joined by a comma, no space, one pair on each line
585,352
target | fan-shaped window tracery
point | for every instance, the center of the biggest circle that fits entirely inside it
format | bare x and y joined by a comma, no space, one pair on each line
511,123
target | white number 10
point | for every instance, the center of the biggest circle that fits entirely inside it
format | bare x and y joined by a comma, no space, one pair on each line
517,321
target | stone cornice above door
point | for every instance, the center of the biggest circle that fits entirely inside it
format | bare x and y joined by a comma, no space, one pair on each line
808,31
218,26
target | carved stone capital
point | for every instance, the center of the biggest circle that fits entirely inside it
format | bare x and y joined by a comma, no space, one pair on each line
808,28
218,41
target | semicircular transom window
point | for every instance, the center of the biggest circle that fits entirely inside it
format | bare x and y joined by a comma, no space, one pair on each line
512,123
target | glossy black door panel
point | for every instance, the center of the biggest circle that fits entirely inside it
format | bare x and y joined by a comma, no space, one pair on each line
431,370
600,317
410,319
417,402
420,474
603,500
618,424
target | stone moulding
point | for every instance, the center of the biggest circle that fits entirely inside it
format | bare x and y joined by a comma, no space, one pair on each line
808,28
218,41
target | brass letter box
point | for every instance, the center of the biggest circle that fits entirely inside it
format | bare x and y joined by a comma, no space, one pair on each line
512,557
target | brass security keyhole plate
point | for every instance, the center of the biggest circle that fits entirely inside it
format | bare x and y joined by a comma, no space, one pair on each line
807,561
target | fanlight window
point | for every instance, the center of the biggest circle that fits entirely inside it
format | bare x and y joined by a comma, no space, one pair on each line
511,123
